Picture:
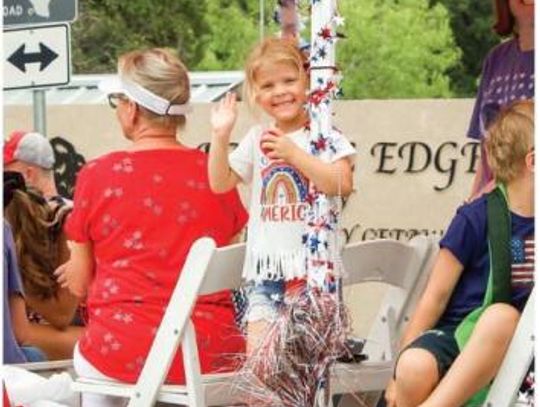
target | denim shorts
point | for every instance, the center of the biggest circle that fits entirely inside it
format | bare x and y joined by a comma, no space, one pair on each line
441,343
33,354
264,299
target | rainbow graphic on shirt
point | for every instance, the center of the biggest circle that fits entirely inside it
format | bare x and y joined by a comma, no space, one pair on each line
283,194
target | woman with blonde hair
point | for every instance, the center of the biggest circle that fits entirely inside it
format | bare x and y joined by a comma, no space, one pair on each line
136,214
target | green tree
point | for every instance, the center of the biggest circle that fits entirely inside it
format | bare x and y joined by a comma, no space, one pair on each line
107,28
234,30
471,23
396,49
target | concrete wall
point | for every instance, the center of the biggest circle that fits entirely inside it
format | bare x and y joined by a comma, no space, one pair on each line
414,164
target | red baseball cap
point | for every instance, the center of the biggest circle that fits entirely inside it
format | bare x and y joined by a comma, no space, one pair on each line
30,147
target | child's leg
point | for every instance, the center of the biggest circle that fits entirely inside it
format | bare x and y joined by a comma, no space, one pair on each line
255,331
421,365
416,377
480,360
264,300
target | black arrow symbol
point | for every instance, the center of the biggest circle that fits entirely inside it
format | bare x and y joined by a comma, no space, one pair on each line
45,56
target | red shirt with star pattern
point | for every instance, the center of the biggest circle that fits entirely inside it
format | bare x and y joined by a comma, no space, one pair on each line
141,211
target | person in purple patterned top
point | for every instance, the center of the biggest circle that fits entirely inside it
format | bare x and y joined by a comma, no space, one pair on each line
507,75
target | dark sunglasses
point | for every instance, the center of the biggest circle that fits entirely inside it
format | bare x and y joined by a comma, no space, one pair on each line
115,98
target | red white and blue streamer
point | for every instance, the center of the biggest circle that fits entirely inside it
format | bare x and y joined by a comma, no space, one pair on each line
322,220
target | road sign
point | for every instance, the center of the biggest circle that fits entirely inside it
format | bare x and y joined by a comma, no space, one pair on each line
35,12
36,57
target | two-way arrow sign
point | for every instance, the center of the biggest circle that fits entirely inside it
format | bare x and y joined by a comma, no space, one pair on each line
36,57
45,56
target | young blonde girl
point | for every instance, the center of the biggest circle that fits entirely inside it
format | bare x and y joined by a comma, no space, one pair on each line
276,162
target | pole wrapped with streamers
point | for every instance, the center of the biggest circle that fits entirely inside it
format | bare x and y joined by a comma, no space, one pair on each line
286,15
322,219
290,367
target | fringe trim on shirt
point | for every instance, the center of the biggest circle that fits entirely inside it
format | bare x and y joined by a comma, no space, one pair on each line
283,265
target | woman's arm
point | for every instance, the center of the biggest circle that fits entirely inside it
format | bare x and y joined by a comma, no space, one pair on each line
58,310
57,344
19,320
76,275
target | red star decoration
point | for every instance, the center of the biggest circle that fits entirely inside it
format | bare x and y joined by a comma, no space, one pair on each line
320,144
325,33
317,97
329,86
310,199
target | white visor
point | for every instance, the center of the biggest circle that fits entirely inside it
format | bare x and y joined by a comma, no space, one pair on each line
142,96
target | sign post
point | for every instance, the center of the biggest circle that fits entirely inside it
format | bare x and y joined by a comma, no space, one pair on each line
40,111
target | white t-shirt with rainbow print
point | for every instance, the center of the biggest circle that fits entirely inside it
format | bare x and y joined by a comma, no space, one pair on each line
278,205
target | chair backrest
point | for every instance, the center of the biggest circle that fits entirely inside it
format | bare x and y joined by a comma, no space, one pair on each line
224,265
516,363
225,269
209,269
403,266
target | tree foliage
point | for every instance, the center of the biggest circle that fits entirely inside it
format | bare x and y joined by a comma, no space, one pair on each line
107,28
471,23
234,30
396,49
208,34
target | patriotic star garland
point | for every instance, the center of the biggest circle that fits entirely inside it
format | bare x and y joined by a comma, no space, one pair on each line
320,236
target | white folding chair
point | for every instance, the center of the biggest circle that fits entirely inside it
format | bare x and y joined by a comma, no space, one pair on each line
405,267
518,358
399,264
48,368
207,270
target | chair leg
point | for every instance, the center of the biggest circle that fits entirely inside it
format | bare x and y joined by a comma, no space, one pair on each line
322,399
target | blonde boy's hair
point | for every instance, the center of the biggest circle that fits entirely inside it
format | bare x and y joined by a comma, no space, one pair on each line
161,72
510,138
271,51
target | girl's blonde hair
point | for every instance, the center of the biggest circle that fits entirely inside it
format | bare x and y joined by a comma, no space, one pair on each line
162,72
272,51
40,243
509,139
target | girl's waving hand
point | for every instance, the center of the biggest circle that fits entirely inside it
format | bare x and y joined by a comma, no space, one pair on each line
224,115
